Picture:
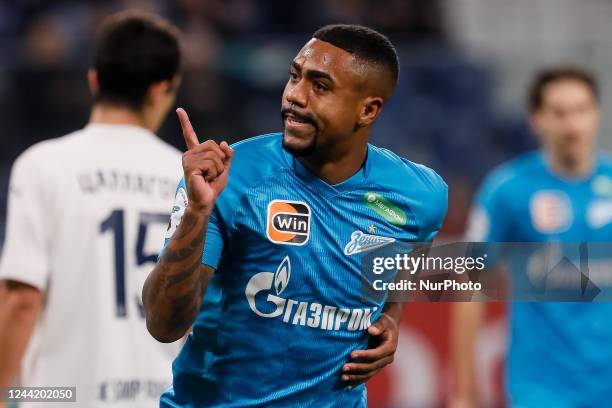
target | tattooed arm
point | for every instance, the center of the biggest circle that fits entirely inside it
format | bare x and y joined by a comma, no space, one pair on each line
173,290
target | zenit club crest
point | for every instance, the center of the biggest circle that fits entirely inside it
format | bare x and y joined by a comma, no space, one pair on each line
288,222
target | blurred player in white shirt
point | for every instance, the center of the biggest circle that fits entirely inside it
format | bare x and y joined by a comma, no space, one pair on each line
85,213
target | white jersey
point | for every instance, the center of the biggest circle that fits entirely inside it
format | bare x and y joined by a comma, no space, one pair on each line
86,219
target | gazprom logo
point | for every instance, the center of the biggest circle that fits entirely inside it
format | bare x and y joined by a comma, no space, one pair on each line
361,242
263,293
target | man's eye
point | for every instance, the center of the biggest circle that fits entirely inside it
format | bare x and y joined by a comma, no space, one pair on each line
319,87
293,76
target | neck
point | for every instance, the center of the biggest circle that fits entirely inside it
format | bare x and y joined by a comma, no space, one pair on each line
339,165
572,168
115,115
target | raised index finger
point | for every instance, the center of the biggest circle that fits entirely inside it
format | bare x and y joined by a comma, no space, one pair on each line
191,139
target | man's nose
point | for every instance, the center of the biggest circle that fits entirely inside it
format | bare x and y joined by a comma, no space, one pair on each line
298,94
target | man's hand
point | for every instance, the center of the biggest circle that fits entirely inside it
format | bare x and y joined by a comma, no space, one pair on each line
206,167
384,333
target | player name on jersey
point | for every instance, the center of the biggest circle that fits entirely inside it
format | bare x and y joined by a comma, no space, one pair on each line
133,389
117,181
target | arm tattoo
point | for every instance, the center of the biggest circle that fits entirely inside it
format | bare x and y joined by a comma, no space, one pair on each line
183,275
185,306
173,291
177,255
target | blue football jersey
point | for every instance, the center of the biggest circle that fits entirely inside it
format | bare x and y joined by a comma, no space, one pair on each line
284,309
560,353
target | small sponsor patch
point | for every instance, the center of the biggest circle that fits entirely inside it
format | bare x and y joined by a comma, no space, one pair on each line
288,222
385,208
551,211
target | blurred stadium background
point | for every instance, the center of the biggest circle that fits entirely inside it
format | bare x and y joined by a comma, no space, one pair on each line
459,107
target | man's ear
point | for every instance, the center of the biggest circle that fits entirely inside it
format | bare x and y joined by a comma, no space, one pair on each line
535,122
537,125
370,109
92,81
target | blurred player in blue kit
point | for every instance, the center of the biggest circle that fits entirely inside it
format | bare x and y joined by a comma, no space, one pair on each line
260,260
560,354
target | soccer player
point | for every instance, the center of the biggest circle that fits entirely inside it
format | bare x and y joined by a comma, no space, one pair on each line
560,354
276,243
83,215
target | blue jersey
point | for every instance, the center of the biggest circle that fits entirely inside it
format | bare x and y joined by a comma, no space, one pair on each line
560,353
284,311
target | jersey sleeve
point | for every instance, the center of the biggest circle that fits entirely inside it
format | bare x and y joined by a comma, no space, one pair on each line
219,223
436,212
433,198
25,256
487,221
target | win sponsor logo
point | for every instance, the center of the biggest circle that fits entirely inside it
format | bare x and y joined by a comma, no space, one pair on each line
361,242
264,294
288,222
